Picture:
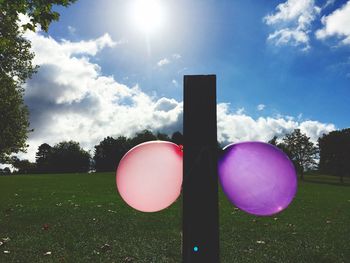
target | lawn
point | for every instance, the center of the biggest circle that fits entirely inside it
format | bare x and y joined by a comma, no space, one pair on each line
81,218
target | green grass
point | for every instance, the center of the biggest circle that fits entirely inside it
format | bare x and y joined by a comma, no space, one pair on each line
81,218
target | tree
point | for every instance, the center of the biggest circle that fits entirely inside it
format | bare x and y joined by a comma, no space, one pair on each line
23,166
16,67
162,137
300,150
14,122
44,158
335,153
143,136
109,152
177,138
273,141
5,171
69,157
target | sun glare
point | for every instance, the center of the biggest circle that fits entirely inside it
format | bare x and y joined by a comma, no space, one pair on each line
147,15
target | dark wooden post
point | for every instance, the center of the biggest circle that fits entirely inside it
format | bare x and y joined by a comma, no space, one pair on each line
200,184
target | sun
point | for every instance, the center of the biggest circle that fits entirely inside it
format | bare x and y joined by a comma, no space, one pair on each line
147,15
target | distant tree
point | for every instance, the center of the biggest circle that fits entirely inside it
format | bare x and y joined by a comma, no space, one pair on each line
5,171
143,136
109,152
273,141
44,158
335,153
69,157
23,166
300,150
177,138
162,137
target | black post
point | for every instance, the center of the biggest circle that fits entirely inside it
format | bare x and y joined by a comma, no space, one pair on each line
200,184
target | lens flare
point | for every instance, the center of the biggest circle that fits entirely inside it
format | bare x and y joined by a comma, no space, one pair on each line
147,15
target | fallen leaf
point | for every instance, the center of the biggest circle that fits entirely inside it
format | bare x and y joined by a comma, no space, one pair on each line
106,247
46,227
6,239
260,242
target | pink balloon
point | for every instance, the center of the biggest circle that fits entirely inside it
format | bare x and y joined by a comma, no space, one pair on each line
149,176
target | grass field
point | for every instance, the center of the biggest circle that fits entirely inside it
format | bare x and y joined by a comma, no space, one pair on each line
81,218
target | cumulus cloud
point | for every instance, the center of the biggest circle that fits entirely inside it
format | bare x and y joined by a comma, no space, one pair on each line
261,107
292,22
241,127
336,25
70,99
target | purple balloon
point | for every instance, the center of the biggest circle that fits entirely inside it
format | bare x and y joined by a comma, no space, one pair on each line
257,177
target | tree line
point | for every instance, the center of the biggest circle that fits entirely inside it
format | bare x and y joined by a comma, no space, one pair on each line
331,155
70,157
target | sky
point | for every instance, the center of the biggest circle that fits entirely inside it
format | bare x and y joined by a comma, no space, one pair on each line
116,67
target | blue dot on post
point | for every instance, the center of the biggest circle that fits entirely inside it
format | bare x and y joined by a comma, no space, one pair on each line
195,249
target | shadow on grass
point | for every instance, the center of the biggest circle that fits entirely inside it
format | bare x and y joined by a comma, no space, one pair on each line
328,180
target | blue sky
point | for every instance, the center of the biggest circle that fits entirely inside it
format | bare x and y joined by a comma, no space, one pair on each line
227,38
279,64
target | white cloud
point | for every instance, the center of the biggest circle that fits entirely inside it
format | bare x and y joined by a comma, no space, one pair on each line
163,62
72,30
337,24
240,111
241,127
261,107
176,56
70,99
175,83
292,22
328,3
166,61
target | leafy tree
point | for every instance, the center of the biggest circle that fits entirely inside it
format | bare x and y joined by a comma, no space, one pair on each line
162,137
300,150
177,138
14,122
23,166
109,152
335,153
273,141
69,157
5,171
16,67
143,136
44,158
